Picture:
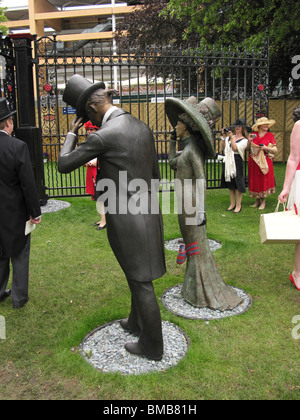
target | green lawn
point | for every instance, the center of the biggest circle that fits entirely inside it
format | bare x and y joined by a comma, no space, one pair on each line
77,285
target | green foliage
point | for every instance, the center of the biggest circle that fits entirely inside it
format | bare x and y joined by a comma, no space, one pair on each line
220,23
3,18
245,24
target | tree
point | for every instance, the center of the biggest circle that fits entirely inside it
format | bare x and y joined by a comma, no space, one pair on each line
246,24
148,26
3,18
227,23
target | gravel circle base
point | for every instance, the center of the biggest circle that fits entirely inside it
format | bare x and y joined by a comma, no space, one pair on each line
104,349
175,303
54,205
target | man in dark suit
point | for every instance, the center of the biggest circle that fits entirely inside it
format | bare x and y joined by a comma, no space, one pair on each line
125,149
18,203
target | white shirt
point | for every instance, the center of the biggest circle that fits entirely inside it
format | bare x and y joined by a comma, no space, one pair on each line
108,114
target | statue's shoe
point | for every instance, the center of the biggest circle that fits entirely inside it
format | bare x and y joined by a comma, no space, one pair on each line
134,348
124,325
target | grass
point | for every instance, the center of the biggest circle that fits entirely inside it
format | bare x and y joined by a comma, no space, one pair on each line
77,285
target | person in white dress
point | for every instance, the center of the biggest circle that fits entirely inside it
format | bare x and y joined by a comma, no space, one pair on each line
291,188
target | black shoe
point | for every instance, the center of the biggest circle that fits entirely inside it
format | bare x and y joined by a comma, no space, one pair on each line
134,348
5,295
124,325
236,212
101,227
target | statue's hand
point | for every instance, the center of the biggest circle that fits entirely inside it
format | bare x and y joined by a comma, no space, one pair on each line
75,125
173,134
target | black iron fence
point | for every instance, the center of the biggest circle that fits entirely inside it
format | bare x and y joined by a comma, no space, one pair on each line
237,80
7,71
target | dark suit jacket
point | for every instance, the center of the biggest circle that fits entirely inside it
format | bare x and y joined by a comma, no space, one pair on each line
18,195
125,149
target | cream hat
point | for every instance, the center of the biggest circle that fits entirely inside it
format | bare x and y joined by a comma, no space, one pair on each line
262,121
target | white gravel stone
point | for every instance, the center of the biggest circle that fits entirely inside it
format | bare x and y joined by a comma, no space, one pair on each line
174,302
54,205
104,349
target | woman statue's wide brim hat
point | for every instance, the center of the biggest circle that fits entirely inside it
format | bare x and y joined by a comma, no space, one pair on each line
263,121
77,92
5,111
203,115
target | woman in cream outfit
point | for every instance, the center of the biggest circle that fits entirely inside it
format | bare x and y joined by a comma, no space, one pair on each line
291,187
233,172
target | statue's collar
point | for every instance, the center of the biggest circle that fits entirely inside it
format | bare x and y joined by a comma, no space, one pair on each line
187,140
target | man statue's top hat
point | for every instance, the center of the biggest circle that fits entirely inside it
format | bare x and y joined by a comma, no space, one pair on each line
77,92
5,111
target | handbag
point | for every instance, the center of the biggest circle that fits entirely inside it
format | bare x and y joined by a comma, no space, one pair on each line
280,227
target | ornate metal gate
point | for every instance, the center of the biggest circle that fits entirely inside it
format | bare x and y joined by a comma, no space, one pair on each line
7,71
237,80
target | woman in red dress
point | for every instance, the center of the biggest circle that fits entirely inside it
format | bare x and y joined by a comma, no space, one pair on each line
91,174
260,166
91,170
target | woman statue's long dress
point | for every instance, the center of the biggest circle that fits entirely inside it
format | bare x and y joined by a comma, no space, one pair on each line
203,286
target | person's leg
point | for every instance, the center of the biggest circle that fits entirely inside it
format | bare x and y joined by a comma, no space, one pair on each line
232,200
20,264
150,342
101,211
296,272
239,197
257,203
262,204
4,277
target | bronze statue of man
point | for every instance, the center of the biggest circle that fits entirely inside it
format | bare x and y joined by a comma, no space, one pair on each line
125,149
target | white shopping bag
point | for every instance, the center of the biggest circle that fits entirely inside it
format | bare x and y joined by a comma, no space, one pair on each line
280,227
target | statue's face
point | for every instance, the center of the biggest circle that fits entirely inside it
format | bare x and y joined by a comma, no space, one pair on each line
181,129
95,113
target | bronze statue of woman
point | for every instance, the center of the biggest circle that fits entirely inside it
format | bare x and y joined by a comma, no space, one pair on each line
203,286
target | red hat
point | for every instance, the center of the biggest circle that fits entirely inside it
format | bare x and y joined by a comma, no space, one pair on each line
89,124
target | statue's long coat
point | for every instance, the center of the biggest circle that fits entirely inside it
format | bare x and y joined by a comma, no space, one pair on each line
125,149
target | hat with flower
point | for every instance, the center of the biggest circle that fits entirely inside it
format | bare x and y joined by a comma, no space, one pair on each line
90,125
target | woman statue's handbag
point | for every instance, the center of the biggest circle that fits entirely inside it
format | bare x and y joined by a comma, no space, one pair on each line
280,227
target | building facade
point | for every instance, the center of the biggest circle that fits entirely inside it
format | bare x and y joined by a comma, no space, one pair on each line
70,20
